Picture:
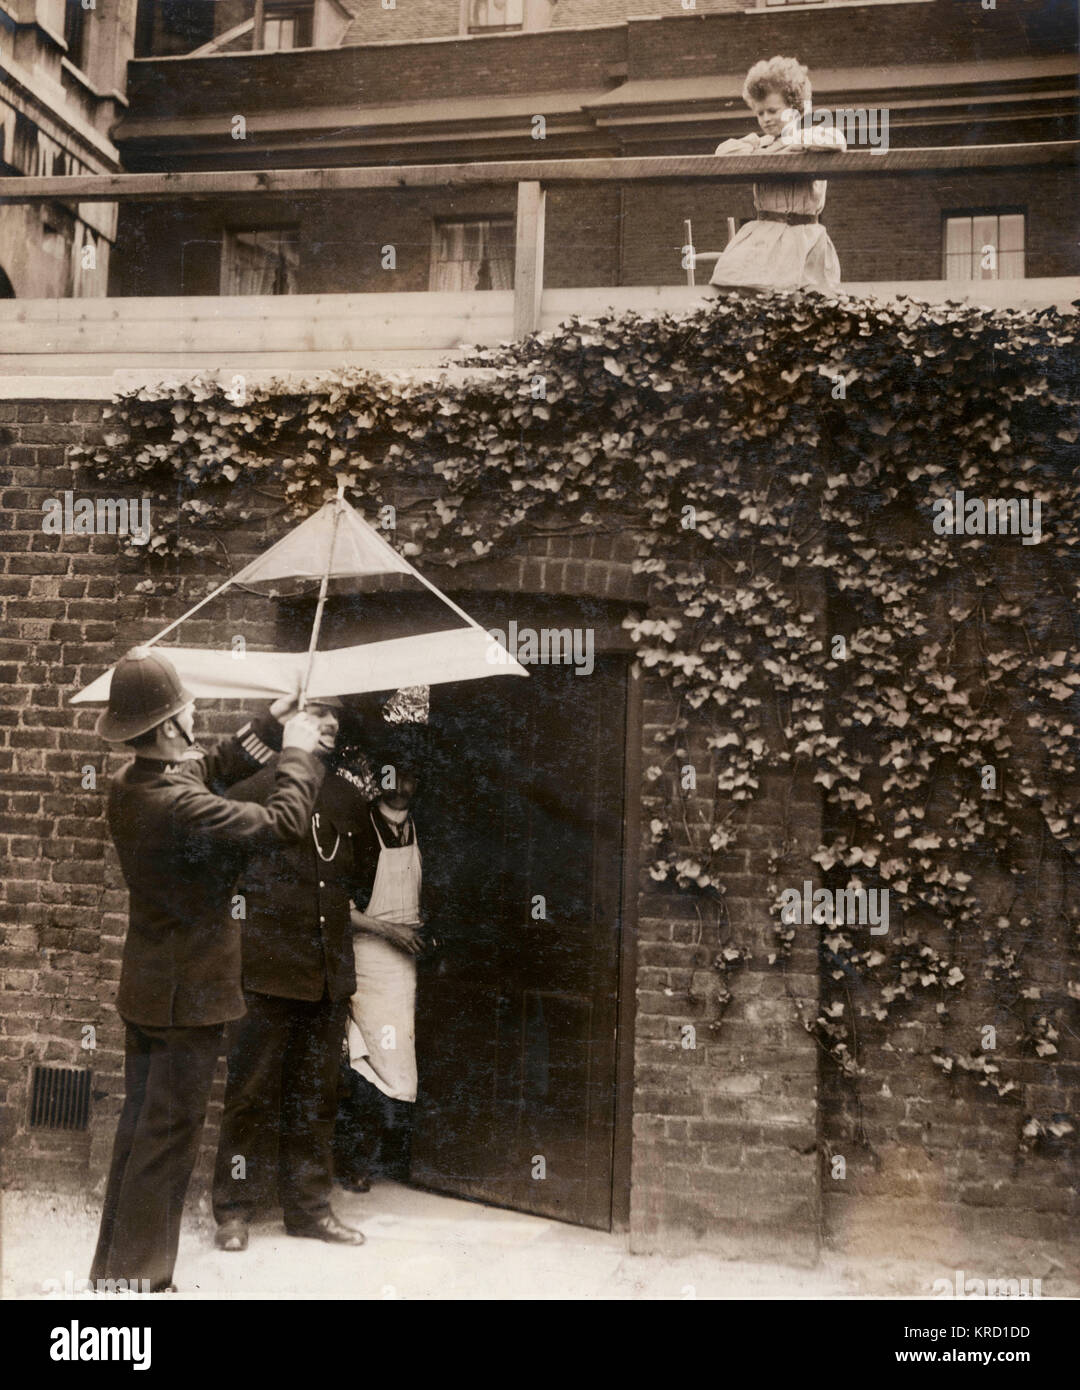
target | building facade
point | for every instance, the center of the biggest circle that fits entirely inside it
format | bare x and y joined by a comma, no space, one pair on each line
62,80
726,1146
941,74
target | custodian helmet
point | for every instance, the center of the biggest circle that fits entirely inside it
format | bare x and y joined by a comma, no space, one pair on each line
145,691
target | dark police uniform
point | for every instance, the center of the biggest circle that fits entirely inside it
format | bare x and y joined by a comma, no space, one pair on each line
298,978
181,846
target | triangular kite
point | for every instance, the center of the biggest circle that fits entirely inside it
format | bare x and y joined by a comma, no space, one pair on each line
334,543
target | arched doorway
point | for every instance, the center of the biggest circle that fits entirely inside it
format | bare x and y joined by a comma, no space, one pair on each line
7,289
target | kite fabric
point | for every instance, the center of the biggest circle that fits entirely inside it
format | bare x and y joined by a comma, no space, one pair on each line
429,658
303,552
334,543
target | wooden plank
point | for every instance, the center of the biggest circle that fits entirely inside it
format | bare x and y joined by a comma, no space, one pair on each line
417,304
550,172
529,258
91,378
254,324
559,305
50,337
217,44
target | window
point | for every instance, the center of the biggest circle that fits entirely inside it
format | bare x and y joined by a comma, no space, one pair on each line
494,16
260,262
984,246
286,26
167,27
473,255
75,32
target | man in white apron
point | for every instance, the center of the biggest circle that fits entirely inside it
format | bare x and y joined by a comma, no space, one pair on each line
380,1085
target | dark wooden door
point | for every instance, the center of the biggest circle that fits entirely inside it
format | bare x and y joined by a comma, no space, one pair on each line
516,1019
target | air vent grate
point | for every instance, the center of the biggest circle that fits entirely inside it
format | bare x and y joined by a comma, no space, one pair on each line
60,1098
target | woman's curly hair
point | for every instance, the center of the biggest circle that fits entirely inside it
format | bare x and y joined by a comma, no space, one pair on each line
787,76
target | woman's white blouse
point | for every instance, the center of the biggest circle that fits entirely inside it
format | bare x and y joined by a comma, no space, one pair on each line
803,196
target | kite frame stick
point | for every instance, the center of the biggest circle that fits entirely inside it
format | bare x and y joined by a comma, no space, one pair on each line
448,601
166,630
324,584
411,569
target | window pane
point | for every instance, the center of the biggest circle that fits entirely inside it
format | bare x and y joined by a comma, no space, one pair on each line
496,14
474,254
1011,231
958,248
967,239
261,262
287,26
75,32
984,233
279,34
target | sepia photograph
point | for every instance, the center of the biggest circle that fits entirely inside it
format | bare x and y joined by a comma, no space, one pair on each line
540,721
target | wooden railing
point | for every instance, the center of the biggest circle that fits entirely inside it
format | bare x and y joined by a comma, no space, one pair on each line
533,178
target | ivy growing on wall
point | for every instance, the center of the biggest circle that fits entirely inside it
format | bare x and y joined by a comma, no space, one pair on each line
789,466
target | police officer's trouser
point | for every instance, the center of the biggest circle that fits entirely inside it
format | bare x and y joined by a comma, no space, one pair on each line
282,1086
167,1077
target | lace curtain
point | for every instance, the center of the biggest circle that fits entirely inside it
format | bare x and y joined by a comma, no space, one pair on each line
476,255
262,262
496,14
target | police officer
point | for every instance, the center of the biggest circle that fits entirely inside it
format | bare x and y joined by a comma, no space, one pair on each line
298,978
181,845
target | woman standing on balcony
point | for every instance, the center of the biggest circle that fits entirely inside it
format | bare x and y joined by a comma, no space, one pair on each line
785,246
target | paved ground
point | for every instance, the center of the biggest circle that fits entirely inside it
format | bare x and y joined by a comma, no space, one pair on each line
423,1246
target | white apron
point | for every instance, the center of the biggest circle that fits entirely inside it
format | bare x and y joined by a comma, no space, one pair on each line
382,1031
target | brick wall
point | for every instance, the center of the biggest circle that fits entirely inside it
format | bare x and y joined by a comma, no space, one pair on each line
721,1131
177,249
494,66
933,1163
883,229
676,43
847,36
726,1131
731,1136
422,19
426,19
